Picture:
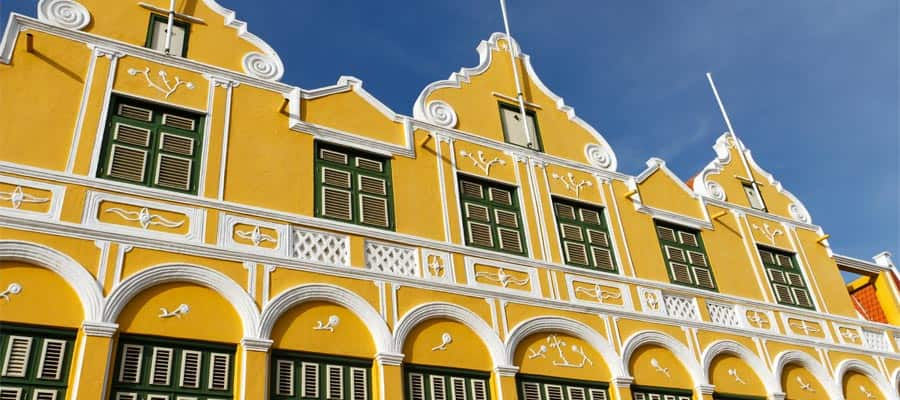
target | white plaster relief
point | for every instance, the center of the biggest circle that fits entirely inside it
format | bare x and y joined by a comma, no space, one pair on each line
441,114
569,182
651,301
438,266
598,292
195,216
723,314
506,280
866,392
178,312
392,259
600,156
757,319
446,339
19,195
165,87
145,218
768,232
329,325
64,13
659,368
554,342
228,229
13,289
255,236
262,66
807,327
737,377
806,387
715,190
321,247
480,162
502,277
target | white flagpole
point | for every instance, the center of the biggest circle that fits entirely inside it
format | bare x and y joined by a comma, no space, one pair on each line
737,143
169,26
513,57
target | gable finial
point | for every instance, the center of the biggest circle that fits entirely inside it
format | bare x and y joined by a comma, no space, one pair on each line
512,57
737,143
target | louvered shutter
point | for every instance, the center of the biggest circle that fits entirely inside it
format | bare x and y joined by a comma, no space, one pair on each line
784,261
553,392
675,254
703,277
571,232
132,135
10,393
333,156
665,234
602,258
284,378
783,293
597,394
639,396
477,212
479,390
161,397
174,172
134,112
689,239
777,276
52,355
161,366
576,253
598,238
500,196
767,257
127,163
531,391
591,217
360,384
565,211
336,203
219,370
18,349
179,122
190,369
506,218
130,369
480,234
126,396
310,384
44,394
416,386
795,279
696,258
371,165
438,389
459,388
802,297
576,393
510,240
374,211
335,382
472,189
681,273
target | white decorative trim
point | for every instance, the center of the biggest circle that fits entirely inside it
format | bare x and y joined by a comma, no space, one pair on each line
870,372
256,344
329,325
805,327
273,310
18,196
681,352
446,339
652,301
569,182
121,250
569,326
454,312
82,282
177,312
851,334
438,266
806,361
480,162
156,275
226,232
597,292
768,232
440,113
600,156
64,13
12,289
99,329
262,66
274,68
165,87
531,284
660,368
485,53
251,267
391,359
392,259
715,190
719,347
196,217
318,246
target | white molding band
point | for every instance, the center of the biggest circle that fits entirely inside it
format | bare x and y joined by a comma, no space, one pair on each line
381,334
82,282
453,312
166,273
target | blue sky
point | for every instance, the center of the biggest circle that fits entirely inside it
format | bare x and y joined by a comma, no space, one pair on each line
811,85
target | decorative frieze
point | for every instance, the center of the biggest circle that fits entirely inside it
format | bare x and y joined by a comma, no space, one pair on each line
596,292
30,199
247,234
320,247
392,259
492,275
143,217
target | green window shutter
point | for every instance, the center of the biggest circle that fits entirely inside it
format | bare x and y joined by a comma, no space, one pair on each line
151,145
640,393
352,186
152,368
431,384
319,377
491,215
785,278
547,388
34,362
584,235
685,256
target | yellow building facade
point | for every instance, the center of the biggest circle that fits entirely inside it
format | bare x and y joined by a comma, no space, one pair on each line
175,223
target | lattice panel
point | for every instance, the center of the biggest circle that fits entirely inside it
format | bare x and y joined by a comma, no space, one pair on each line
394,260
876,340
681,307
321,247
722,314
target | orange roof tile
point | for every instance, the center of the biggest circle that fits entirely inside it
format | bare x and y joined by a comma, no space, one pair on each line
866,302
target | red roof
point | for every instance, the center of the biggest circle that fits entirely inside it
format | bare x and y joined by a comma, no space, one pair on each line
866,302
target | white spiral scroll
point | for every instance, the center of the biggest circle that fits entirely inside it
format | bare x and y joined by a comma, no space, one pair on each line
598,156
263,66
64,13
440,113
799,213
715,190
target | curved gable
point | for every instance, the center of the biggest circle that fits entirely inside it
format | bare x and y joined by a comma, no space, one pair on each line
470,101
724,178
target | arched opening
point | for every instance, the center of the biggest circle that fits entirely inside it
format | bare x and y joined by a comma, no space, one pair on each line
661,366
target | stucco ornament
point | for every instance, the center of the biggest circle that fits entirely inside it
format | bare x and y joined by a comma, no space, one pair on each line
440,113
598,156
263,66
799,213
715,190
13,288
64,13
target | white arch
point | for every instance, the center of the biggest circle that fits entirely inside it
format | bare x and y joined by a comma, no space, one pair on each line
166,273
82,282
569,326
812,365
332,294
428,311
680,351
736,349
869,371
